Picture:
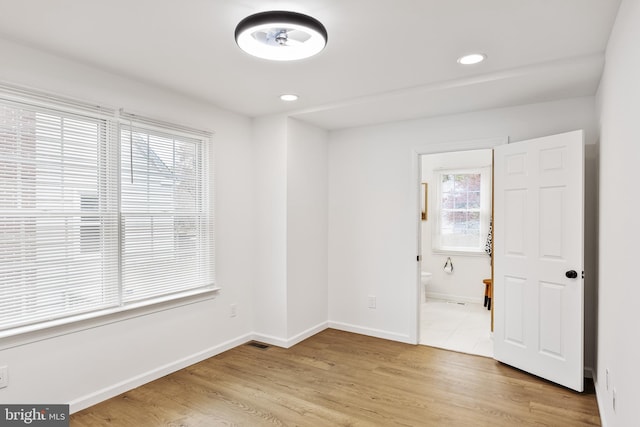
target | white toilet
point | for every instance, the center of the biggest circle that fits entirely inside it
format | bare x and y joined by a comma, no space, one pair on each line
425,278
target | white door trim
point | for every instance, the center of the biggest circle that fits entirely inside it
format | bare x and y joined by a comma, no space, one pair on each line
416,180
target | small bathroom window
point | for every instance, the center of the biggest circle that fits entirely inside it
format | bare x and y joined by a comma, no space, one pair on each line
463,210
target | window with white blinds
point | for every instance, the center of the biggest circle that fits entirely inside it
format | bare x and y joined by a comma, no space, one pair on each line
96,216
162,212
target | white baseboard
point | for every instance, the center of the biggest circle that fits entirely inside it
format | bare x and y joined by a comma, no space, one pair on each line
131,383
290,342
588,372
456,298
121,387
371,332
599,401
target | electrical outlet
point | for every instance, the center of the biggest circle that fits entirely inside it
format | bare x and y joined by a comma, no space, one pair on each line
4,376
234,310
372,301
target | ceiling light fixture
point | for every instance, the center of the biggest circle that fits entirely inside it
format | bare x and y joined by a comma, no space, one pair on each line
289,97
474,58
281,35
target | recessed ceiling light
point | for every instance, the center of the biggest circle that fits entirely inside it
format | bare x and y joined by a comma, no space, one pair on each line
281,35
471,59
289,97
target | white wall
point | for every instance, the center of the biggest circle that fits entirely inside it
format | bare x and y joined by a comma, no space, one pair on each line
270,240
618,341
465,282
83,366
373,200
307,230
290,290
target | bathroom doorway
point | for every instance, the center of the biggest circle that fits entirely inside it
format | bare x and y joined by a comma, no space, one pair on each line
455,240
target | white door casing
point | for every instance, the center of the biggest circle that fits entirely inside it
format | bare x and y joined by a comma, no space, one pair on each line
538,241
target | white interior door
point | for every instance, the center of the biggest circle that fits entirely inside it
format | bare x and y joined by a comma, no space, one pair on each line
538,249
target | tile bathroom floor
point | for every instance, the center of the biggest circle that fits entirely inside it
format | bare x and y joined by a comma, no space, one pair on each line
463,327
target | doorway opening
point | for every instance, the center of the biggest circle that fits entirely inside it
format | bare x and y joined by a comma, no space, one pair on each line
456,248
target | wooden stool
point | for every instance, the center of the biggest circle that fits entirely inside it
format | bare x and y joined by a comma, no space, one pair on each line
488,292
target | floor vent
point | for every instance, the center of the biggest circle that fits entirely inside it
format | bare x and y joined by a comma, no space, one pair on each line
259,345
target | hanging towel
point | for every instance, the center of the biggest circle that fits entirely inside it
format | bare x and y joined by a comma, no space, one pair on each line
487,246
448,266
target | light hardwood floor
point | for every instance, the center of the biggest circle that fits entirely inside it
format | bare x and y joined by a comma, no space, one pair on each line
341,379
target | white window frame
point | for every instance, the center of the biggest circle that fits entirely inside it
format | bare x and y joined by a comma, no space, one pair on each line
485,212
113,120
204,220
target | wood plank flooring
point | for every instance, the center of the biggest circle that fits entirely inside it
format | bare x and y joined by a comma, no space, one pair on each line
338,378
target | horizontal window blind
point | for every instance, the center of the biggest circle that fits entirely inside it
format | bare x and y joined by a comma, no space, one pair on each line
58,255
97,213
164,224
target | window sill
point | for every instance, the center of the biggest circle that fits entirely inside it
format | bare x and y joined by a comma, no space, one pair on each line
32,333
459,253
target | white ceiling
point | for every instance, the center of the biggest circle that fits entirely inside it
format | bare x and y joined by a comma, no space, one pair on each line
385,60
